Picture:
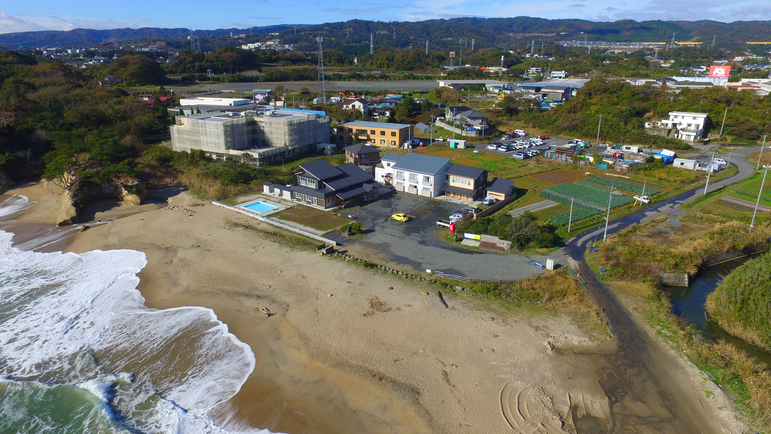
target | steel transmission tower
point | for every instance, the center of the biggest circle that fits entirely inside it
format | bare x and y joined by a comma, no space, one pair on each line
321,71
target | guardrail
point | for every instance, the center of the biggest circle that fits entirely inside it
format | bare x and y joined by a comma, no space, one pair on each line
259,217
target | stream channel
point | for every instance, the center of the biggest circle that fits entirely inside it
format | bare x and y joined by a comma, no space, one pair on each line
688,303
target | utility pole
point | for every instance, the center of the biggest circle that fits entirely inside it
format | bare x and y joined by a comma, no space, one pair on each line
570,219
321,71
426,48
709,172
472,43
460,61
599,124
644,184
371,45
541,48
761,152
722,125
607,218
758,202
532,47
713,40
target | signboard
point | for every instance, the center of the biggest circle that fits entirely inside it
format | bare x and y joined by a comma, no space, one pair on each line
719,71
452,54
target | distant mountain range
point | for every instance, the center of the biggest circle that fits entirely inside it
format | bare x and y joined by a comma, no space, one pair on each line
486,32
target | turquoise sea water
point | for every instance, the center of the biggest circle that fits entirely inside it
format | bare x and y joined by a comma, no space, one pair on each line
81,353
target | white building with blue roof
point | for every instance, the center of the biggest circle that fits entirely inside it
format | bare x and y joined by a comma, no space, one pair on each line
424,175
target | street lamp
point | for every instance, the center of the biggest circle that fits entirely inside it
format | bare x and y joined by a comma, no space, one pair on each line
709,172
758,202
607,218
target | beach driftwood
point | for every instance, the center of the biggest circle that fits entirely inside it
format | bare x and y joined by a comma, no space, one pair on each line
441,298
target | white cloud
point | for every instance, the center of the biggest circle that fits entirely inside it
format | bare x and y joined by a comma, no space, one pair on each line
28,23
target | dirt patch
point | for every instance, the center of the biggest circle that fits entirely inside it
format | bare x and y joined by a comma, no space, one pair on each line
377,305
562,176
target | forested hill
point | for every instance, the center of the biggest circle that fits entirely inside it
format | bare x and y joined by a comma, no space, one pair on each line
90,37
487,32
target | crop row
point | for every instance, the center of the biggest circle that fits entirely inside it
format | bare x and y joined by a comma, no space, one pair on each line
580,212
590,195
632,188
598,187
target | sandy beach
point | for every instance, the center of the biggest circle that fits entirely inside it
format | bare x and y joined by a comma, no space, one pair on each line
346,349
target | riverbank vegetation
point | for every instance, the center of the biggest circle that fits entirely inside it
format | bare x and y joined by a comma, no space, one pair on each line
742,302
633,261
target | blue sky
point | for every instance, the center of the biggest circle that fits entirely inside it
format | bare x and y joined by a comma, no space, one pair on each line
27,15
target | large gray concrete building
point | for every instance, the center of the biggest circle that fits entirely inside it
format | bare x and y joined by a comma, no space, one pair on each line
263,138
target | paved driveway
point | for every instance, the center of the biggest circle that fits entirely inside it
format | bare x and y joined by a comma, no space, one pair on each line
419,243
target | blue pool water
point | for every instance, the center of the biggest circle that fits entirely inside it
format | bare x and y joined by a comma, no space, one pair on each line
259,207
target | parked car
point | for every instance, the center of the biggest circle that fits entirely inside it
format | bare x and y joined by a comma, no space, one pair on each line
488,201
644,199
519,156
544,137
520,133
720,161
400,217
498,144
492,146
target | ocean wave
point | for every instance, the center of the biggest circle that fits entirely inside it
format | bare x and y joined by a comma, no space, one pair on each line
78,320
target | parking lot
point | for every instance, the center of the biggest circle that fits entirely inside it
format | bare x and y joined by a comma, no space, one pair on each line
550,143
419,242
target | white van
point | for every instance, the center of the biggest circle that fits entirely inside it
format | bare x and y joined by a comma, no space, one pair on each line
520,133
721,161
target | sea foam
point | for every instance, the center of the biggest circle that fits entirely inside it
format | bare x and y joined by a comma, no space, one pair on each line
79,320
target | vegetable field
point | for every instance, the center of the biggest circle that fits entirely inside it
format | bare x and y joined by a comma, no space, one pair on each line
632,188
590,195
580,212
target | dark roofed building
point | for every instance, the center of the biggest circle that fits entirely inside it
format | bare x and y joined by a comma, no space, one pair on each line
500,189
323,185
465,116
362,154
465,182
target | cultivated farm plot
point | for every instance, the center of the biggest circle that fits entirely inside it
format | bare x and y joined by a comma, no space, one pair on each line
580,211
623,185
590,195
560,176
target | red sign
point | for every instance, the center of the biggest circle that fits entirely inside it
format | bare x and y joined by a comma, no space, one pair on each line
719,71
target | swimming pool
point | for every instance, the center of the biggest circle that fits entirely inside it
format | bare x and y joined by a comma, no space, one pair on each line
259,207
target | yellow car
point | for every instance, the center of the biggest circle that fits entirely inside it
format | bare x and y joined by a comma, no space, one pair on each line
401,217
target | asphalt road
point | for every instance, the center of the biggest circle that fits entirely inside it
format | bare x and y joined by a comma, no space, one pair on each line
418,243
641,374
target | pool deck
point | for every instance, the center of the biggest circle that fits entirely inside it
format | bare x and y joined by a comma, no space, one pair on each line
261,198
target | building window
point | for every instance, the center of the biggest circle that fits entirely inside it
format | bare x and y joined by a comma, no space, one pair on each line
426,180
382,132
382,142
372,141
459,180
399,175
308,182
393,133
372,132
414,178
341,137
393,142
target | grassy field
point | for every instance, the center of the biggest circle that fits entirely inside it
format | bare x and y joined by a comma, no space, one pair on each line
313,218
